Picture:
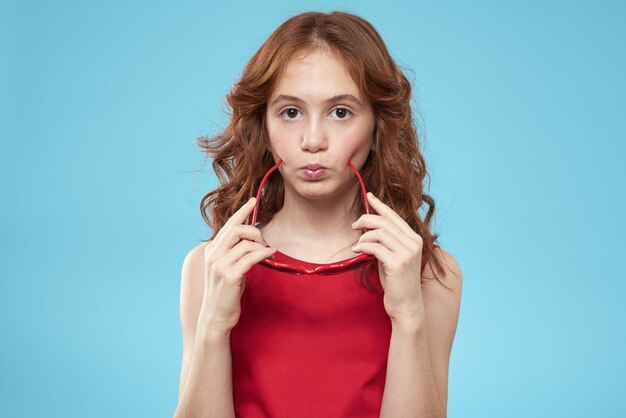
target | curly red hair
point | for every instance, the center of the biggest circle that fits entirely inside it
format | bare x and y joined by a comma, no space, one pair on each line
394,170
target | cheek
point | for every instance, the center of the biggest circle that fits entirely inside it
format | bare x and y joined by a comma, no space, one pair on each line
277,137
357,149
358,142
279,145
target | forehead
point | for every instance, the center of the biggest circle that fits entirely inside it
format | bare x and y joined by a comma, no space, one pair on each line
317,73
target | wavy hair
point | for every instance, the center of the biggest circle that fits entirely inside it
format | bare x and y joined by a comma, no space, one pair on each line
395,169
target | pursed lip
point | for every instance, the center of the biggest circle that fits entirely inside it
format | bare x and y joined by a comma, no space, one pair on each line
313,166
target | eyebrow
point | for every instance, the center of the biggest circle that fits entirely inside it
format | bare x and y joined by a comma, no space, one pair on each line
338,97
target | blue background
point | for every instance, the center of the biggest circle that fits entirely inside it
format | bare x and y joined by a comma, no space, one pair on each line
520,107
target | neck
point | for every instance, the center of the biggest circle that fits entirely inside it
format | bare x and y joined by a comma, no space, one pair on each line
320,226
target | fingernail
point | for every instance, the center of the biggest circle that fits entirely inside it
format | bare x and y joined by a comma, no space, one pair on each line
353,225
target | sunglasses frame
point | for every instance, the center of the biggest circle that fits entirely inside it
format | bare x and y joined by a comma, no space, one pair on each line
323,269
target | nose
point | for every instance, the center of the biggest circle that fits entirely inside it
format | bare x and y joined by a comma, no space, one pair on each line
314,136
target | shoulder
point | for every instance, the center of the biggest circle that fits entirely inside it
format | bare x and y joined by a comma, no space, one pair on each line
452,277
443,304
194,255
192,286
193,265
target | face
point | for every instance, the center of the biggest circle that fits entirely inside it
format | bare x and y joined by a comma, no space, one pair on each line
317,115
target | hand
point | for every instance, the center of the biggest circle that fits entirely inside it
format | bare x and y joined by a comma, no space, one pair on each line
232,252
399,252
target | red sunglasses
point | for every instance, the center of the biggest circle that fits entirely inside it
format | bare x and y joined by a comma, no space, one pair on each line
323,269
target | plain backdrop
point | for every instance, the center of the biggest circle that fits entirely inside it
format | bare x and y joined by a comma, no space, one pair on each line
520,110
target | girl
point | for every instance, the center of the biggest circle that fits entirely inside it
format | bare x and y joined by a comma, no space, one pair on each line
282,316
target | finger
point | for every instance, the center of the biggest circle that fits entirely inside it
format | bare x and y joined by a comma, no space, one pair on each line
374,222
231,235
245,263
244,247
381,236
389,213
251,233
377,250
240,216
239,233
237,218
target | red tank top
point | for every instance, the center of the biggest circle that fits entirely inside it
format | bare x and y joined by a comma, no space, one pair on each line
309,345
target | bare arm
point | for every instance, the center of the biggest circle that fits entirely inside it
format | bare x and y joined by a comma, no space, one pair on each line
206,372
410,386
212,282
419,353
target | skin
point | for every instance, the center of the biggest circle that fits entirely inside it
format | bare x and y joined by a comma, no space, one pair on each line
316,218
314,223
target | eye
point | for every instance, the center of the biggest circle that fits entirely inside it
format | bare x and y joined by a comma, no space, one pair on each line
342,112
291,112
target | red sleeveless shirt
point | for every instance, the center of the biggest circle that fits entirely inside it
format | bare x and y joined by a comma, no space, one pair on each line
309,345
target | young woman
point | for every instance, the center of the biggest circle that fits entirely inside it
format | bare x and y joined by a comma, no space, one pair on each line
282,316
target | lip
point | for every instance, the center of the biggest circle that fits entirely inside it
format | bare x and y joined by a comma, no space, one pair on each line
313,166
313,174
